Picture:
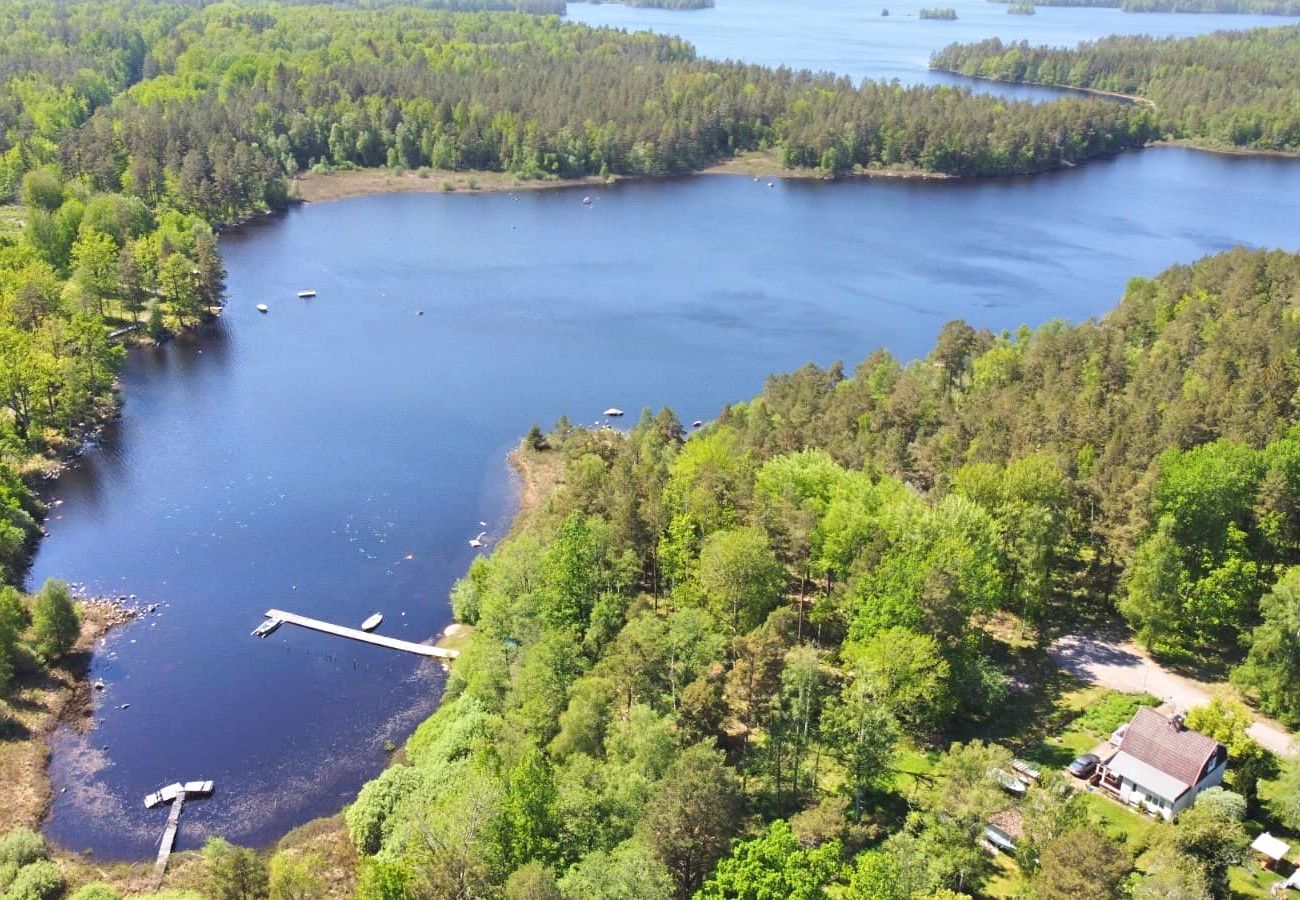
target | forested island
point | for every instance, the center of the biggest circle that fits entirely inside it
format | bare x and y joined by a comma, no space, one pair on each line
1228,89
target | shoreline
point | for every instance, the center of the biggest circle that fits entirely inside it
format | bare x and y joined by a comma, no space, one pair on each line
764,164
318,187
1133,99
758,164
41,702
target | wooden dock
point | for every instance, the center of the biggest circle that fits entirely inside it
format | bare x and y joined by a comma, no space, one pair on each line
356,634
174,794
168,840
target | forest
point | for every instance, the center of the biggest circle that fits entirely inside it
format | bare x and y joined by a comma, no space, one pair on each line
1228,89
775,658
214,108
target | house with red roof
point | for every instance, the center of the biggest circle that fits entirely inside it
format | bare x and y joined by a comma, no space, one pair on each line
1161,765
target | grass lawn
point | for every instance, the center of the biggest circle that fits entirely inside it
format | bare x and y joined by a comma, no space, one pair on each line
1007,880
909,763
1251,880
1120,823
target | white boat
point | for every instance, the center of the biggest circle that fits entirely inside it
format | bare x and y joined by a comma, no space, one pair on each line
307,293
261,307
267,627
586,201
614,412
373,622
1009,782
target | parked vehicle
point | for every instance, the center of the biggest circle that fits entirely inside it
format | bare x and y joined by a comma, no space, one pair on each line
1083,766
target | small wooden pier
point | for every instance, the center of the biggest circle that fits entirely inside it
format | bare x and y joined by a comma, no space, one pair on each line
174,794
356,634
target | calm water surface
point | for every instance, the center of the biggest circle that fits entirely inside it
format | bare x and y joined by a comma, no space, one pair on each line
334,456
851,37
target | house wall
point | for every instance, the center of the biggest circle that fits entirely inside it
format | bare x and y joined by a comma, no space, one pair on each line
1131,792
1213,778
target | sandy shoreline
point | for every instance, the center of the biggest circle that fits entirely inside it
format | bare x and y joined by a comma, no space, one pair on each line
315,187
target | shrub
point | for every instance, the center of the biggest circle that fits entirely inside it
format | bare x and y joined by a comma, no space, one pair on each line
384,880
22,846
1112,710
234,873
55,625
296,876
40,880
97,891
368,818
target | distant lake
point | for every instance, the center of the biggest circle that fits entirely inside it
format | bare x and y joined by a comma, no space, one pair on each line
851,37
334,456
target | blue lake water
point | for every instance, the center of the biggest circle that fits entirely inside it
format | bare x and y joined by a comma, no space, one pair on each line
334,456
850,37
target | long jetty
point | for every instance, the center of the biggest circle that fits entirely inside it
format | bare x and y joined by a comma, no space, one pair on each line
357,634
168,839
174,794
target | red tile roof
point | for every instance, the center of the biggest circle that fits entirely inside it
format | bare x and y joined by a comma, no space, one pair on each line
1174,750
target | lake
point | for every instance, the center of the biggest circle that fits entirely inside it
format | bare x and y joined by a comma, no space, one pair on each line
334,456
849,37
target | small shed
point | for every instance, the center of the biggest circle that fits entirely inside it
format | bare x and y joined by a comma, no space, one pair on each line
1273,850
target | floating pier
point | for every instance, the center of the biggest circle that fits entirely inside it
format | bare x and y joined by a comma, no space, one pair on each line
174,794
357,634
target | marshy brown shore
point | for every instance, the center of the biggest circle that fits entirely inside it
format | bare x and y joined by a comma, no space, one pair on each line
318,187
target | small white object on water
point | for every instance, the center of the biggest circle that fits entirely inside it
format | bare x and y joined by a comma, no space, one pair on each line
586,201
475,543
262,307
125,706
614,412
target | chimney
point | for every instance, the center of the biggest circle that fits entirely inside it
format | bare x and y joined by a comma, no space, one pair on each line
1177,721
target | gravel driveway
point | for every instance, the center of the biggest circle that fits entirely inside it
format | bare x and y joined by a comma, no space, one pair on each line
1124,666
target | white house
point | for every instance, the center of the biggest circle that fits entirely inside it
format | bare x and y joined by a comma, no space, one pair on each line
1162,765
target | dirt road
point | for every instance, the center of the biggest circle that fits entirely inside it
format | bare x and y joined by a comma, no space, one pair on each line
1123,666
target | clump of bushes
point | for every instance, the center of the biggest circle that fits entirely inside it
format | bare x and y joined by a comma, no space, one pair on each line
26,872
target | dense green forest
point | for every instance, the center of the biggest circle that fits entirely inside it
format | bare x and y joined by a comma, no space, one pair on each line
1228,89
705,667
248,95
1251,7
